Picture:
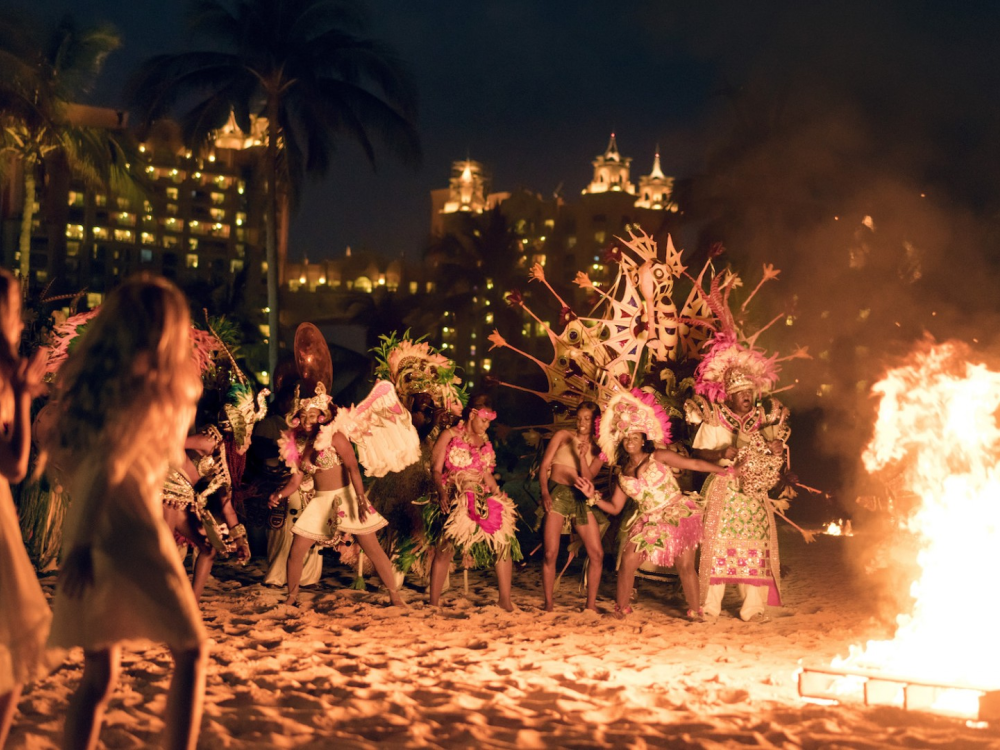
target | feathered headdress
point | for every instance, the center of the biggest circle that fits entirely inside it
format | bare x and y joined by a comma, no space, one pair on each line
729,367
416,367
320,400
632,411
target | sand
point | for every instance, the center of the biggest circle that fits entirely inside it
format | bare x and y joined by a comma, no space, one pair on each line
347,671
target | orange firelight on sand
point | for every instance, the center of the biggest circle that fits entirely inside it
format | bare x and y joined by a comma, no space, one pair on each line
937,422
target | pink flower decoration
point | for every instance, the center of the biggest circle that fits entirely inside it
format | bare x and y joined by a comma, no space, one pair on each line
491,522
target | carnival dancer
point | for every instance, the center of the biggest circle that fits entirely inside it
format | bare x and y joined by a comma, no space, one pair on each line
666,526
270,472
202,477
127,396
428,387
338,505
24,613
741,543
571,455
472,514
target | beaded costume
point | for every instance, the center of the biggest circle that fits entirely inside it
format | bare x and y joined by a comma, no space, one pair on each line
741,542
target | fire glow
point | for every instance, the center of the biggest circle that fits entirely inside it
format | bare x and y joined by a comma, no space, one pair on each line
937,425
839,528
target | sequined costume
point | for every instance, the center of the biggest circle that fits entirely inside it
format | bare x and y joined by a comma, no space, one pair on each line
480,524
180,493
666,521
741,543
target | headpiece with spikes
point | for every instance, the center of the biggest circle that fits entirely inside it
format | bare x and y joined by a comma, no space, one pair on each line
632,411
729,367
319,400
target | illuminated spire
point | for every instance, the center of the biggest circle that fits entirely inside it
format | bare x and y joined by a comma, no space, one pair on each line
611,154
657,172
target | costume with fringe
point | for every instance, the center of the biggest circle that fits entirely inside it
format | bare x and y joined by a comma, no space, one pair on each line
332,514
666,521
480,524
741,540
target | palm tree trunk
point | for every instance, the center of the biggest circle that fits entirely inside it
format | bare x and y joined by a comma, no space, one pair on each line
27,218
271,246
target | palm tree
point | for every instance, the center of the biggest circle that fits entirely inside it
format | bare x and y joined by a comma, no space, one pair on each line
44,73
310,69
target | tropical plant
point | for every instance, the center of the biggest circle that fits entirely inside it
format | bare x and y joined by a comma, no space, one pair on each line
309,68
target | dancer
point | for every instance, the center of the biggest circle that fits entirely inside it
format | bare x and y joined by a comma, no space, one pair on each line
24,613
338,506
202,476
741,542
572,455
427,386
271,472
666,526
127,395
472,513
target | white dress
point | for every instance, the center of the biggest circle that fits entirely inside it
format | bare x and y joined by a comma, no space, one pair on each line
24,613
140,589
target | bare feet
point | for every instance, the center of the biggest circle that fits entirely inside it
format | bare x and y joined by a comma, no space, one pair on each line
505,605
549,607
622,612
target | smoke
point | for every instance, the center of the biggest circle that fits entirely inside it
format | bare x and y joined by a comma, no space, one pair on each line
853,146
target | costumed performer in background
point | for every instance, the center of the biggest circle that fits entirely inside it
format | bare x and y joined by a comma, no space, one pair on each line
24,613
741,542
427,386
472,513
571,455
127,396
666,526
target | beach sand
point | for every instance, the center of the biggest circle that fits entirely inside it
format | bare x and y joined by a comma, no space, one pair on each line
347,671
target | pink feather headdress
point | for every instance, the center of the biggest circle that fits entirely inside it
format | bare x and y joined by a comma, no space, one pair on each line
632,411
727,363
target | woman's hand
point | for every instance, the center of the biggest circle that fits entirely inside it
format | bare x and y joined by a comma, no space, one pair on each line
77,572
275,499
585,486
546,501
443,502
362,507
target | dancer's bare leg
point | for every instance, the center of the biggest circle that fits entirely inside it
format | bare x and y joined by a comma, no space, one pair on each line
505,573
369,543
186,699
86,708
631,560
591,536
684,563
202,569
551,534
8,705
443,555
296,559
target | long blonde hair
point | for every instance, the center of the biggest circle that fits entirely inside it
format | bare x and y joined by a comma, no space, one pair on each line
10,311
128,391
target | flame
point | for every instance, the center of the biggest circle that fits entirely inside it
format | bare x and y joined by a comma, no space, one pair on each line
839,528
937,425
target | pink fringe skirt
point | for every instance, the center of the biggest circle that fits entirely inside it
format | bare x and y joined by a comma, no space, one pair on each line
660,536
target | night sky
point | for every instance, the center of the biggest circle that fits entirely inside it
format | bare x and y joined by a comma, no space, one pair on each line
534,88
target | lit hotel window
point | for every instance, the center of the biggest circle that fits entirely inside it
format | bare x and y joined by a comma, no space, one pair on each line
145,256
599,235
235,265
172,193
148,239
72,249
414,287
74,231
487,364
101,233
192,260
123,235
